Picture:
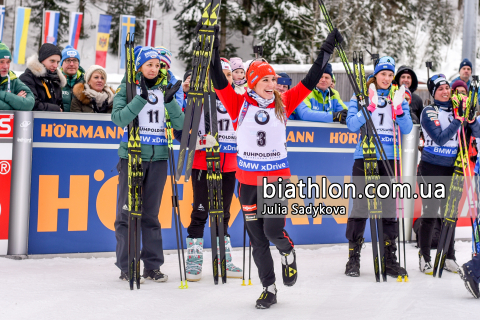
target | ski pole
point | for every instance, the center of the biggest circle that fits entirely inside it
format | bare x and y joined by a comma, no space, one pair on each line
244,238
249,263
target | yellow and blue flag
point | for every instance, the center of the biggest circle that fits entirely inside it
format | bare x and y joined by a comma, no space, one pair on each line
21,34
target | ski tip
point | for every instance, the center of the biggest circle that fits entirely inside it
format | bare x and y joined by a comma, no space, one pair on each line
399,279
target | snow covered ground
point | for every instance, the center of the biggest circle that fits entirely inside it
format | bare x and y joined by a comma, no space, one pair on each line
72,288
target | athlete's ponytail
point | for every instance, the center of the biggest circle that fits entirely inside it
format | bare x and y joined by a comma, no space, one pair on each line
279,107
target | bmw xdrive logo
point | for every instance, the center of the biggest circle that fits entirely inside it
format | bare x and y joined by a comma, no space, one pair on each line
262,117
221,108
152,98
382,102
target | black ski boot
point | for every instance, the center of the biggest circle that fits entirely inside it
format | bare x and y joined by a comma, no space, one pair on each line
289,268
392,267
155,275
124,277
352,268
267,298
466,275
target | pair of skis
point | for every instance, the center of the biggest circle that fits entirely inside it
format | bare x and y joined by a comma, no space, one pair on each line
202,94
457,184
135,172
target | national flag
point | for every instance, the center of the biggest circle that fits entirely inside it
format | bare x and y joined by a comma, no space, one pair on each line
127,24
22,22
50,26
2,21
150,31
74,28
103,36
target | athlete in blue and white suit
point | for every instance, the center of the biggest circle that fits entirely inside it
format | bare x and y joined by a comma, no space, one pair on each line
382,113
440,125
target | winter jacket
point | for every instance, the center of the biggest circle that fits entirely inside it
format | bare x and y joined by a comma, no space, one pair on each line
432,127
319,106
9,99
416,105
45,86
355,120
83,97
123,114
67,90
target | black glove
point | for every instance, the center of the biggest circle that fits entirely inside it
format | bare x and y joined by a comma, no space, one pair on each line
171,90
143,88
104,107
340,116
216,42
332,38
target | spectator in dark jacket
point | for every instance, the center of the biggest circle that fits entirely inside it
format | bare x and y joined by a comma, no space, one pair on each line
44,78
94,96
406,76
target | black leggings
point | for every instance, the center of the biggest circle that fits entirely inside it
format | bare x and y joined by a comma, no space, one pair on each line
358,218
262,231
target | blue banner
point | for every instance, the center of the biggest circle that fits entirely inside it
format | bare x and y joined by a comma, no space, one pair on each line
74,186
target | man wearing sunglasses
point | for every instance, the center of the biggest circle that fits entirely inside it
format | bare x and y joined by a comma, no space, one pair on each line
70,66
165,64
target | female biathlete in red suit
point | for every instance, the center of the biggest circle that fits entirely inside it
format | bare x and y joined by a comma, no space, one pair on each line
261,115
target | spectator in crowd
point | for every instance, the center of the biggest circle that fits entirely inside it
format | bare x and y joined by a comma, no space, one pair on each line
70,66
334,82
165,63
238,73
323,104
465,71
283,82
14,94
406,76
94,96
44,78
459,86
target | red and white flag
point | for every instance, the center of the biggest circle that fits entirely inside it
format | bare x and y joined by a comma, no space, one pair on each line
150,32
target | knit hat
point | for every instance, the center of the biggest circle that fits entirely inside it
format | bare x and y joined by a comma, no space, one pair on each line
434,82
329,70
143,54
69,52
225,64
92,69
385,63
5,52
236,63
459,83
165,55
465,62
48,50
258,70
187,74
285,79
